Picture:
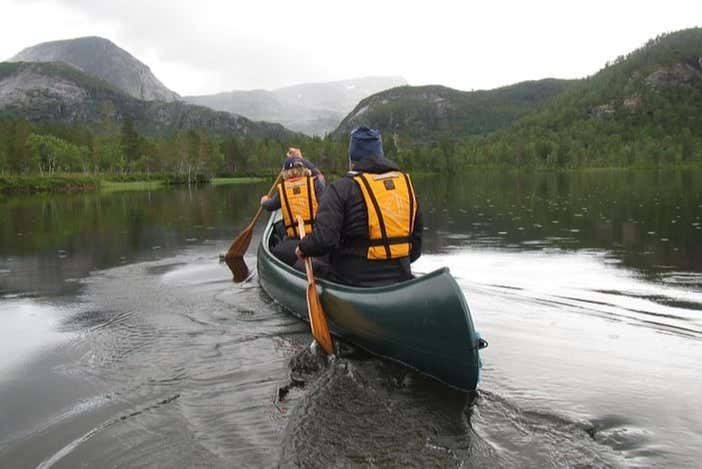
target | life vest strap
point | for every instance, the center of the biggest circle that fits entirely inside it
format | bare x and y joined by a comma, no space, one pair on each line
306,222
410,189
362,243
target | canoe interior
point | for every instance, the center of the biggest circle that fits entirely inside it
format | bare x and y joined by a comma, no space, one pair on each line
424,323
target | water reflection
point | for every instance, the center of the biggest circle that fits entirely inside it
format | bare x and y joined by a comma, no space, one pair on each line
27,327
140,350
47,239
582,283
650,220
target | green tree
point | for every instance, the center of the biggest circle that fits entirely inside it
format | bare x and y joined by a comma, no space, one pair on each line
51,154
129,142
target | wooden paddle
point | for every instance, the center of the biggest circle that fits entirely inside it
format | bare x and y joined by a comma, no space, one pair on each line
241,242
315,312
239,268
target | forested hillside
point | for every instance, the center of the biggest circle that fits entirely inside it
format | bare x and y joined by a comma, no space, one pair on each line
48,147
645,108
425,114
55,118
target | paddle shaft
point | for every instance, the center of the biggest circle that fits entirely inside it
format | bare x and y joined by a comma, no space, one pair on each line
315,311
260,208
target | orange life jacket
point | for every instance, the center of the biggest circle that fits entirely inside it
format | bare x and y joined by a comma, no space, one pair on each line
392,207
298,199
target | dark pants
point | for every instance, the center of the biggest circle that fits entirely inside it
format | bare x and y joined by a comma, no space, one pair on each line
285,250
320,268
361,272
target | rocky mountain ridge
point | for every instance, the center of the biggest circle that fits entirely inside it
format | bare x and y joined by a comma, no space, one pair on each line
311,108
60,93
103,59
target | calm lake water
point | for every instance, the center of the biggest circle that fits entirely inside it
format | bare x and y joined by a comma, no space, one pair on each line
123,341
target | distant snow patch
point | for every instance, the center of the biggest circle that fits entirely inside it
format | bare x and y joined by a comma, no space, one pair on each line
360,112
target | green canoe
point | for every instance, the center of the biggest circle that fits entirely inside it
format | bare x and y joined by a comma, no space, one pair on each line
423,323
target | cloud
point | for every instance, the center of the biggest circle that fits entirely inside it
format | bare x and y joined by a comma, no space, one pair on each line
215,43
212,45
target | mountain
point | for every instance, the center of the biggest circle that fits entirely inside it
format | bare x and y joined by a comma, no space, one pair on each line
56,92
340,96
429,113
312,108
101,58
645,109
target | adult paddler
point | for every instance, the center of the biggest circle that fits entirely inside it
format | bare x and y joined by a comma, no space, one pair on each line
297,195
369,221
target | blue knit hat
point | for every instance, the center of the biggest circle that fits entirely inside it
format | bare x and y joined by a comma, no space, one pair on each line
291,162
365,142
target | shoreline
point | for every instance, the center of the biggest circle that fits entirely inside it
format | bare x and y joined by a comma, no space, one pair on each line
65,183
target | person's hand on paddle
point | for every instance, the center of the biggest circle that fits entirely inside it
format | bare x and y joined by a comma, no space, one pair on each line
265,199
300,255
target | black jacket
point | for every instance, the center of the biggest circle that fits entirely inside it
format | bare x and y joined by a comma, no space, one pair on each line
341,228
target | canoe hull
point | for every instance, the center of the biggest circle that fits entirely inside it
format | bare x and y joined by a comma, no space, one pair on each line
424,323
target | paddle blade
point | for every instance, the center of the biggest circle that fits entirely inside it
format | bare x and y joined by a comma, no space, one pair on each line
318,320
239,269
239,245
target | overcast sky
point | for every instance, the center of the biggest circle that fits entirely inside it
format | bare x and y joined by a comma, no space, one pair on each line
207,46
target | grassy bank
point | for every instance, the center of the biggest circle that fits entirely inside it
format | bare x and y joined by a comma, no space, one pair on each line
106,182
114,186
56,183
235,180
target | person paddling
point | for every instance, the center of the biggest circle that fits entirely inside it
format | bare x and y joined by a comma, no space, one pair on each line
297,195
369,221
